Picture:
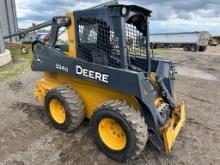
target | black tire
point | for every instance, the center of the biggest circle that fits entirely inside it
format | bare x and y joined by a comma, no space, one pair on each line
193,48
73,107
187,47
202,48
132,123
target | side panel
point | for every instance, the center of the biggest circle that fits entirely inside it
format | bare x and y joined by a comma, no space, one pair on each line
51,60
92,94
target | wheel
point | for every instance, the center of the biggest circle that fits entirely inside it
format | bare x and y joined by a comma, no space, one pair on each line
119,130
202,48
24,50
65,108
187,47
194,48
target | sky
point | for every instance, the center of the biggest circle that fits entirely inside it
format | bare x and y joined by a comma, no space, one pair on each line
167,15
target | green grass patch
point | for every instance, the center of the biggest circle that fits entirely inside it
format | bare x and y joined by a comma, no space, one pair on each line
157,52
160,53
16,51
21,63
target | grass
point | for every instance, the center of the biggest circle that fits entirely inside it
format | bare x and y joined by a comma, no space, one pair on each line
20,64
160,53
157,52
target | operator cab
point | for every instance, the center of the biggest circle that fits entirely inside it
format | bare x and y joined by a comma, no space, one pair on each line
112,38
115,36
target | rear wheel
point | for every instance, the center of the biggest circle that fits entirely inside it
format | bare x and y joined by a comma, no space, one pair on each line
194,48
187,47
65,108
202,48
119,130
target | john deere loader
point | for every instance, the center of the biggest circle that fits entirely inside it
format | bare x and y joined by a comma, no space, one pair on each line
106,74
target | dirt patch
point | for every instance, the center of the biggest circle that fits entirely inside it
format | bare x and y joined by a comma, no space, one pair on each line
186,71
26,136
15,85
34,112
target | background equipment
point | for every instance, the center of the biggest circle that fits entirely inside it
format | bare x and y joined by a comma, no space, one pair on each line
189,41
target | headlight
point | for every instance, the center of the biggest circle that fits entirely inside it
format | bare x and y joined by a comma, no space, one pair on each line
124,11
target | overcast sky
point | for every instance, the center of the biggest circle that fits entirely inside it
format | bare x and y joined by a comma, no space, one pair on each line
167,16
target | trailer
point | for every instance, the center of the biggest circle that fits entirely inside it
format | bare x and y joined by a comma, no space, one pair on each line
189,41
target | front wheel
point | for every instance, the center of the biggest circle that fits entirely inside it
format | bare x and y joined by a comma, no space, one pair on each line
119,130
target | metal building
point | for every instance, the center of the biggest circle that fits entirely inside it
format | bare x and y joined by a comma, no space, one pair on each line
8,18
2,48
5,55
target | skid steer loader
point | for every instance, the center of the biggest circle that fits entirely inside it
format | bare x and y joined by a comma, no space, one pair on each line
106,74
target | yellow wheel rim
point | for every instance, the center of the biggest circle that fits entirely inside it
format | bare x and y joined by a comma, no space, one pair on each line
57,111
112,134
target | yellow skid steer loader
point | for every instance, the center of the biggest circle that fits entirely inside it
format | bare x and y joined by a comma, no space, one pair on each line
106,74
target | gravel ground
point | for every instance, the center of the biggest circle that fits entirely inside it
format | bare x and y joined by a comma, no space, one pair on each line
26,137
